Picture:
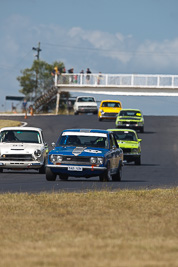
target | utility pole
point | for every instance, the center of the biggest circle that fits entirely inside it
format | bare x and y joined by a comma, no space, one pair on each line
38,49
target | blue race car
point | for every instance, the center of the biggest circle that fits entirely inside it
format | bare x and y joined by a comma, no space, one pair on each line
85,153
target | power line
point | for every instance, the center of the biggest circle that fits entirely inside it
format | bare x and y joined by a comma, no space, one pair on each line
109,50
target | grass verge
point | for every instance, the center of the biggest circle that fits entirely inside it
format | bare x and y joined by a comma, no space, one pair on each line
124,228
9,123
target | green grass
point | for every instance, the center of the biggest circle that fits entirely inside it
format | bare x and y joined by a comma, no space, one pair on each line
124,228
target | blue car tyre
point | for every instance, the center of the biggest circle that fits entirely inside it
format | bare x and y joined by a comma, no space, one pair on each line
118,176
106,176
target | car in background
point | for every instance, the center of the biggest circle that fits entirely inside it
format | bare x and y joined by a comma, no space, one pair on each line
22,148
128,140
109,109
85,153
85,104
130,118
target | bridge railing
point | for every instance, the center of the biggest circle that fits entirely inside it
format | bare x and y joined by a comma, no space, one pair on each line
118,80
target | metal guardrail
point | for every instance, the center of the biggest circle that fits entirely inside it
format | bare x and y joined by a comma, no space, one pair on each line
118,80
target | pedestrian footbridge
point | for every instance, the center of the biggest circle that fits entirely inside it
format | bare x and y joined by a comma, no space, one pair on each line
119,84
110,84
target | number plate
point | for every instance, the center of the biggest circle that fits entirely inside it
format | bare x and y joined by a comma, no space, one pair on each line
75,168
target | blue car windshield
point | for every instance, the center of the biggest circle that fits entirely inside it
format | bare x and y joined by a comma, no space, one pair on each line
83,141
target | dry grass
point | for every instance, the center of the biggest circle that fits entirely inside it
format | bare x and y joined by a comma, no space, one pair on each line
9,123
98,229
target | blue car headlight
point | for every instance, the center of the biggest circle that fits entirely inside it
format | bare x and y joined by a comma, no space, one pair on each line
95,160
100,161
55,158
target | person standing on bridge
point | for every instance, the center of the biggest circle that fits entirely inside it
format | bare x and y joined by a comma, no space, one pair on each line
99,78
88,72
71,77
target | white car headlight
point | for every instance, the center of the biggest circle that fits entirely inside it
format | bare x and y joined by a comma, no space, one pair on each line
37,153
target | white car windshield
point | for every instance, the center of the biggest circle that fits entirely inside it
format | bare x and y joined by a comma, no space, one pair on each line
86,99
20,136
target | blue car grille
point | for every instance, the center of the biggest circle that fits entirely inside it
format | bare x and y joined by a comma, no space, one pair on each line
76,160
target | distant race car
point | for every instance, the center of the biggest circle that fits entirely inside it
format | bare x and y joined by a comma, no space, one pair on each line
22,148
109,109
128,140
85,153
85,104
130,118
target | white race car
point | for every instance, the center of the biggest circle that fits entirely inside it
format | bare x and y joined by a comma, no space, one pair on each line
22,148
85,104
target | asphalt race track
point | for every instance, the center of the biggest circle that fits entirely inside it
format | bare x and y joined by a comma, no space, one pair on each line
159,167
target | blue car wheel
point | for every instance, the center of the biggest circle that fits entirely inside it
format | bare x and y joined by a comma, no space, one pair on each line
106,176
118,176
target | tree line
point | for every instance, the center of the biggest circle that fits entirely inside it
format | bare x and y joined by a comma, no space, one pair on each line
38,79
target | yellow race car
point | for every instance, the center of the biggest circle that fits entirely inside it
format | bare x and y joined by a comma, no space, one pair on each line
109,109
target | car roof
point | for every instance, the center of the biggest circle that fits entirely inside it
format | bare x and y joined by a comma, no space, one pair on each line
85,96
86,130
121,130
111,101
131,109
20,128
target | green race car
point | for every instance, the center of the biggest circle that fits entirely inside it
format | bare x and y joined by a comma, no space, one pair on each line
130,118
128,141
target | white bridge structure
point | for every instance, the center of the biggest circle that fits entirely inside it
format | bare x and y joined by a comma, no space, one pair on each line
110,84
119,84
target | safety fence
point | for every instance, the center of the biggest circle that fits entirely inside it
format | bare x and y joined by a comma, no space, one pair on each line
118,80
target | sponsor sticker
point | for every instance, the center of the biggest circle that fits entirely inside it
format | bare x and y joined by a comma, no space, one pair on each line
92,151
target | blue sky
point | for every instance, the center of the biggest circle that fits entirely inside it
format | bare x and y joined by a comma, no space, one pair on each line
111,36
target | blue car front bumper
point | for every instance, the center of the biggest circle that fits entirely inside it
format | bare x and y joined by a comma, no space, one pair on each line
77,171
